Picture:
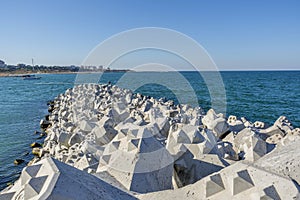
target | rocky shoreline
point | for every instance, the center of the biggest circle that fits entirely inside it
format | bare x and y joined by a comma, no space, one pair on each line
105,142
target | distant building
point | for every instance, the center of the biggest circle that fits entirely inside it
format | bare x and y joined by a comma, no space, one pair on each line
100,68
92,68
21,65
2,63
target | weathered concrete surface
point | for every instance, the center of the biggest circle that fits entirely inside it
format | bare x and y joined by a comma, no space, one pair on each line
249,145
284,160
238,181
51,179
215,122
138,161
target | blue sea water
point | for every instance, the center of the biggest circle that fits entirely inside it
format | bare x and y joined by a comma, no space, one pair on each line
262,96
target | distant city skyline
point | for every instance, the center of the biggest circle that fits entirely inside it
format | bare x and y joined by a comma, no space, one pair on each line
238,35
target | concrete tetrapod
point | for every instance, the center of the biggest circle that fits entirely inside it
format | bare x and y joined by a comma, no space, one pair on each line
51,179
138,161
237,181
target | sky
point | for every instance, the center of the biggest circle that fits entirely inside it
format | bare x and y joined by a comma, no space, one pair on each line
238,35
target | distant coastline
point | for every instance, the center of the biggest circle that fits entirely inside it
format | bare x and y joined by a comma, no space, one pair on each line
24,69
19,73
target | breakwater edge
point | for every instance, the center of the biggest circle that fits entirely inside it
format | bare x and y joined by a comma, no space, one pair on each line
104,120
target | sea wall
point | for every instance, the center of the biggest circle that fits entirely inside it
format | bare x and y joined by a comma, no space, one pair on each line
141,145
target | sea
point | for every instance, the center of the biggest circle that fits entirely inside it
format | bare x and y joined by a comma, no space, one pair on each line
256,95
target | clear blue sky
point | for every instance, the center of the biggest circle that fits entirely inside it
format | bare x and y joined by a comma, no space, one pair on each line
254,34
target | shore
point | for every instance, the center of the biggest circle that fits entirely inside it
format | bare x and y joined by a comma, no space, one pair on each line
21,72
138,147
18,74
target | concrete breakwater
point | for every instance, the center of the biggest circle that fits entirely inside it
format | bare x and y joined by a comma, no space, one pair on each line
105,142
